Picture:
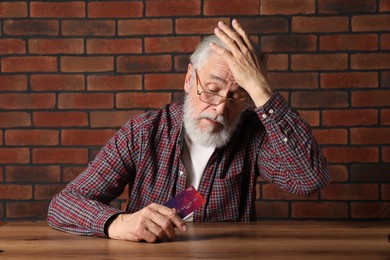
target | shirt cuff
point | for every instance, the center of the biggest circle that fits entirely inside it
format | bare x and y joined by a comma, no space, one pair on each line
273,110
100,222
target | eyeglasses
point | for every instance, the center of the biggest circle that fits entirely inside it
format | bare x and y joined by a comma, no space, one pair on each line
215,99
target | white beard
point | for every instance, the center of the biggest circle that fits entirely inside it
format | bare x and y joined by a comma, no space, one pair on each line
206,137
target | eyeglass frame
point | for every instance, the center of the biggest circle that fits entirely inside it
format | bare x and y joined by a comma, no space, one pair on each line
223,99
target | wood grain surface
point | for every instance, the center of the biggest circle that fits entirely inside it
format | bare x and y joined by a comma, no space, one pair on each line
262,240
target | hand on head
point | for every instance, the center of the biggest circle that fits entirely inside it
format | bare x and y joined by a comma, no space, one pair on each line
243,61
153,223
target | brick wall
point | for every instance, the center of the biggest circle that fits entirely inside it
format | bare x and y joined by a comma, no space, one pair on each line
73,71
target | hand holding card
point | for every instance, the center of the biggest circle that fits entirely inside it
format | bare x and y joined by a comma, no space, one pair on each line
186,202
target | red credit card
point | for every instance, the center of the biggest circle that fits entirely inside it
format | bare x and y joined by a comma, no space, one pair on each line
186,202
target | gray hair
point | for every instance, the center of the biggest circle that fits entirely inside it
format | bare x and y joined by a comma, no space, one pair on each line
203,51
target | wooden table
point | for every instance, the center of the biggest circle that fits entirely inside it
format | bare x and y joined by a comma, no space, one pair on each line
263,240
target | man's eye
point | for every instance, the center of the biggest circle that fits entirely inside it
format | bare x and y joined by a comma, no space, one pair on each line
213,88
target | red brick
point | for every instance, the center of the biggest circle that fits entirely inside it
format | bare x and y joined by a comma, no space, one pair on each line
349,42
29,64
57,9
115,9
14,119
386,154
349,80
372,98
385,117
287,43
172,7
319,61
384,6
12,46
351,154
145,27
339,173
370,61
319,210
164,81
319,99
385,79
311,117
43,82
31,27
15,192
141,100
69,173
88,27
270,7
27,101
346,6
370,172
371,23
1,170
87,64
181,62
349,117
229,7
36,210
197,25
386,191
385,41
273,192
281,80
121,82
85,100
13,82
265,25
60,155
56,46
33,173
178,96
156,63
46,192
270,210
111,46
350,192
112,118
13,9
14,155
320,24
331,136
85,137
277,62
31,137
368,210
171,44
60,119
370,136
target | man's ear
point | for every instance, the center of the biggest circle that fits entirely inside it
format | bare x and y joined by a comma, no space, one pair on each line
187,80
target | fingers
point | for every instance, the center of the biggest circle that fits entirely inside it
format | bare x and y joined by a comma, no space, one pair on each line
171,214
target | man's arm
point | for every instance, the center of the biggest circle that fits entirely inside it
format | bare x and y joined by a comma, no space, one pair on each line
83,206
289,155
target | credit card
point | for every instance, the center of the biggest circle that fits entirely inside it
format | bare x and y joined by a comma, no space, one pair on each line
186,202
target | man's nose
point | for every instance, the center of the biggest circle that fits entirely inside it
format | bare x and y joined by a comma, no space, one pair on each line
221,108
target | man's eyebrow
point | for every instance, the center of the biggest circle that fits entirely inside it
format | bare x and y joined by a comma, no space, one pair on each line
212,76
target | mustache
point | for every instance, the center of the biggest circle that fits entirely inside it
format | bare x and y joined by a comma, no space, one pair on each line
215,117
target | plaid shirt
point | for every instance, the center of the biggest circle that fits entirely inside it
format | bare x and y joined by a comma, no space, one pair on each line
271,141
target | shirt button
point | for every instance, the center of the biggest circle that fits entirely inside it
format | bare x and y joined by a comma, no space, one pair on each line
271,111
181,173
264,116
285,139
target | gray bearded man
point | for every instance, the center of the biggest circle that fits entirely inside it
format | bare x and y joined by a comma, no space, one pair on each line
231,129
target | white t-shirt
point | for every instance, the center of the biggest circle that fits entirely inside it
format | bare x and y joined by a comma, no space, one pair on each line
195,158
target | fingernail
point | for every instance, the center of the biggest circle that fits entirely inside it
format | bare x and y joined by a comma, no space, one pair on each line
234,21
185,228
220,23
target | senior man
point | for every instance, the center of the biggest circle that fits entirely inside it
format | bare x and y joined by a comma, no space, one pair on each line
231,129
